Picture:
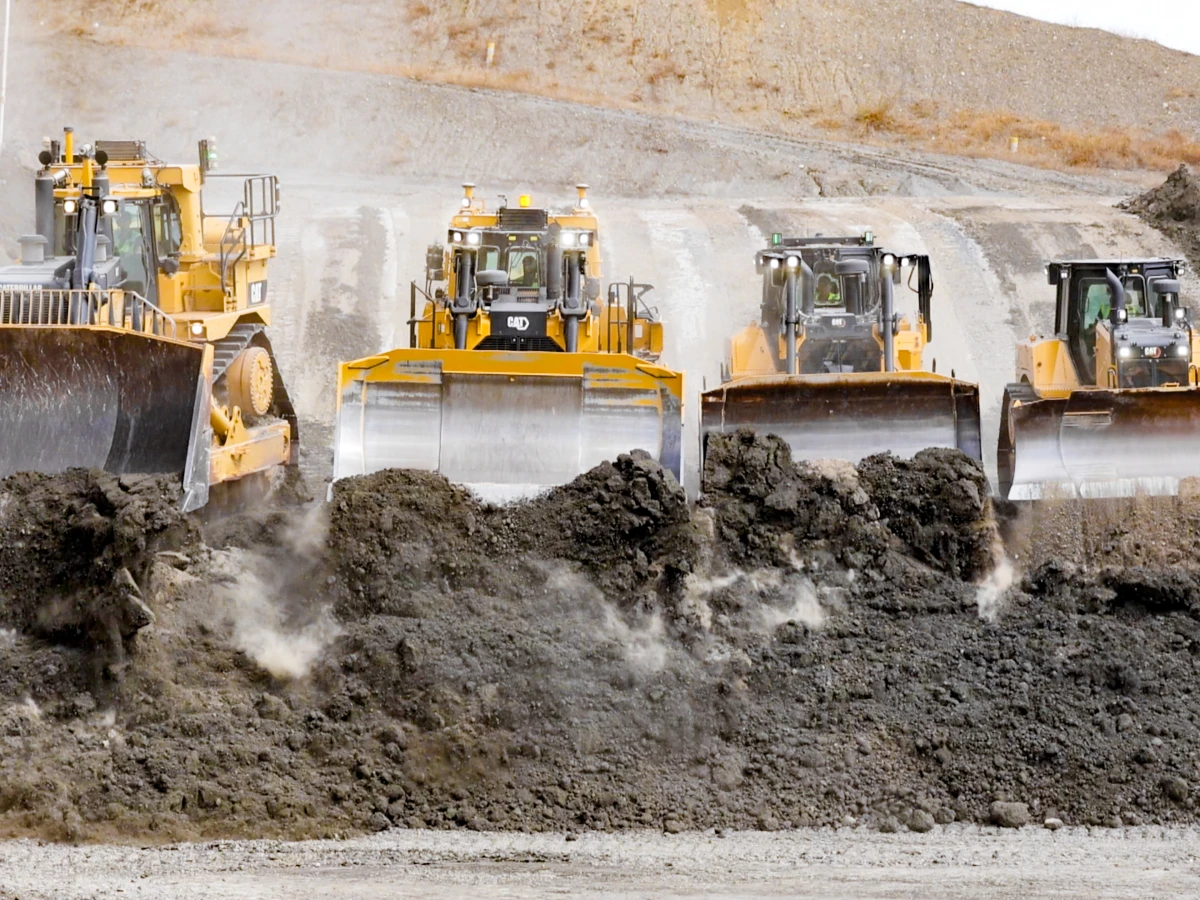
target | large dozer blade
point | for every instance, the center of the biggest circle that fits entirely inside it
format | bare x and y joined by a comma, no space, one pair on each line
105,398
1098,443
508,424
849,416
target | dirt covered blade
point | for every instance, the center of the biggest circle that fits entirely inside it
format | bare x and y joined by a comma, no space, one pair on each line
850,416
1101,443
99,398
492,418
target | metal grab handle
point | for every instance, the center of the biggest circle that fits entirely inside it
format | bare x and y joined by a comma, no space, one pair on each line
1112,376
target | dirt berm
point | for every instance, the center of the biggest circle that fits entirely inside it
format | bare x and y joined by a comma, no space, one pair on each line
1174,209
804,647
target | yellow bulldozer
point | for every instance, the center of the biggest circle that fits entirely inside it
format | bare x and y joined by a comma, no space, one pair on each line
1107,406
132,330
832,367
519,374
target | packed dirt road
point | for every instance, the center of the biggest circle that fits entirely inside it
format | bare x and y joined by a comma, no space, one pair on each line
954,862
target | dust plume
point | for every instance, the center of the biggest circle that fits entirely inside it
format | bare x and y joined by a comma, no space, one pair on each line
804,607
268,602
990,593
642,642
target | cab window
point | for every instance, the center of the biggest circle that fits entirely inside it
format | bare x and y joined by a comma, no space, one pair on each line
167,232
829,291
523,268
129,243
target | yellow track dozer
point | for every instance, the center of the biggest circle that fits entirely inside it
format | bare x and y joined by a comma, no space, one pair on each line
1108,406
519,375
132,331
832,368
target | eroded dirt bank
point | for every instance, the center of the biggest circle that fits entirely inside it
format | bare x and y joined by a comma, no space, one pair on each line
810,645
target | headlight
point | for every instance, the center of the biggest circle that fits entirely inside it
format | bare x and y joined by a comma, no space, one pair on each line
889,260
108,206
70,206
197,329
585,239
1125,352
456,237
1179,313
793,261
774,263
474,238
1181,349
567,238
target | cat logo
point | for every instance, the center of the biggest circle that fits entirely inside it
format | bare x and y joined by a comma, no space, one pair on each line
518,323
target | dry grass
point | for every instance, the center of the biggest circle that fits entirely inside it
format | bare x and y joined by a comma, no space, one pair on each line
990,134
666,78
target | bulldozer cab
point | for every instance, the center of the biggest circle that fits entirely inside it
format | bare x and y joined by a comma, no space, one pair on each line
1122,321
837,289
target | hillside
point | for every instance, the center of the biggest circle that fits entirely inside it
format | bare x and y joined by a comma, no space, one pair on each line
937,75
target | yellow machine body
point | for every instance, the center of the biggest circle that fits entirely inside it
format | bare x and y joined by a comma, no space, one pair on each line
841,399
519,375
1107,406
132,332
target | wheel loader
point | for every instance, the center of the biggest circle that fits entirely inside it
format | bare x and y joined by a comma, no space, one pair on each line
832,367
1107,406
133,329
519,374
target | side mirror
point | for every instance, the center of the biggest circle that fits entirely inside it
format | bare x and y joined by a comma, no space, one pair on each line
170,265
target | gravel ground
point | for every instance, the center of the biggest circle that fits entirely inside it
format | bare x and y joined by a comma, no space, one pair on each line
952,861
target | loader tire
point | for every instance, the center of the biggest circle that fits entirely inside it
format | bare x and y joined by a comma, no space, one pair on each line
251,381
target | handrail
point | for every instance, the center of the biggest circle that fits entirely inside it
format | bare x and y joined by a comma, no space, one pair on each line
232,240
75,307
1193,375
251,224
1111,375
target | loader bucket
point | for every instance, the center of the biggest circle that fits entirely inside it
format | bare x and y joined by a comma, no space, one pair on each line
1099,443
105,398
849,416
508,424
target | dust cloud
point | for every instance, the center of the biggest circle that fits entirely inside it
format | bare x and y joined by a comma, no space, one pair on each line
267,601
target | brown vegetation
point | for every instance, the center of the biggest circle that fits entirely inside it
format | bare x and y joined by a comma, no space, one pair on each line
931,74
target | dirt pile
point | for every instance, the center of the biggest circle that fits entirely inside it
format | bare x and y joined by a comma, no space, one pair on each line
1174,209
77,553
804,648
932,509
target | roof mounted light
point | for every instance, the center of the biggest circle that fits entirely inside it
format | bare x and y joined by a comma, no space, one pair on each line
585,239
474,238
109,206
774,262
70,207
793,262
582,190
889,260
456,237
568,238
